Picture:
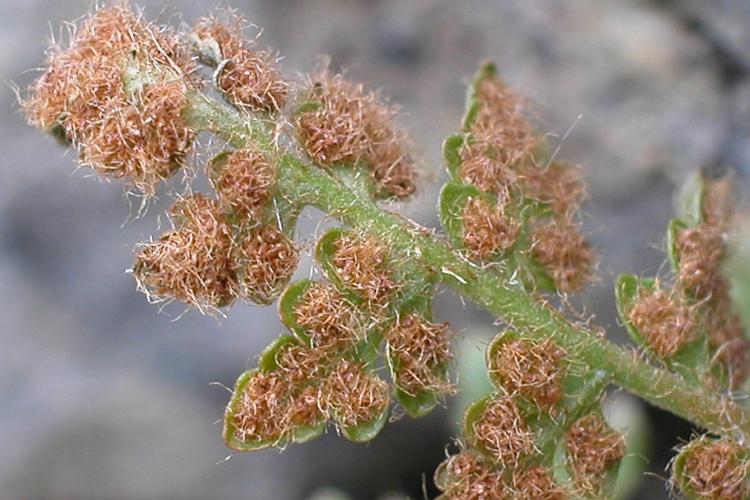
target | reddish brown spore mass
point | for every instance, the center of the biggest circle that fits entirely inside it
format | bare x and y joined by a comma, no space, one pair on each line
593,447
245,182
264,260
467,477
537,483
421,351
664,319
565,254
327,317
558,185
532,370
353,395
502,140
249,77
503,432
272,405
716,470
350,126
726,335
362,264
700,250
124,125
191,263
487,230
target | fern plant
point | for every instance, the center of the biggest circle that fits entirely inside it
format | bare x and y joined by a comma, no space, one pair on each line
130,96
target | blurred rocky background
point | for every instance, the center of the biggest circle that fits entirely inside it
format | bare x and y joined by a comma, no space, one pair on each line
103,396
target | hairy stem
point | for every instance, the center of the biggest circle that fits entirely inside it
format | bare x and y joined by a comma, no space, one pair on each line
491,287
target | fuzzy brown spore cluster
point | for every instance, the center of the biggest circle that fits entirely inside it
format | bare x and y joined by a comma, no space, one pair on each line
488,230
346,125
353,395
117,91
274,404
502,431
308,387
420,351
593,447
327,317
664,319
479,167
264,260
700,250
501,156
717,469
300,364
537,483
191,263
467,477
362,264
249,77
558,185
726,336
260,413
564,253
244,183
532,370
315,379
501,139
270,409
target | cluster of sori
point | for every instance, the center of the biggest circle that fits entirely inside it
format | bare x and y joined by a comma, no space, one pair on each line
337,123
541,433
117,92
686,322
507,201
129,95
120,91
326,368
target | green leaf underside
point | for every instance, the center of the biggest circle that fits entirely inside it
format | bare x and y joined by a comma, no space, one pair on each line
453,199
564,476
452,154
417,405
487,70
675,227
690,199
415,295
288,302
455,193
267,362
583,389
473,413
366,431
308,106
